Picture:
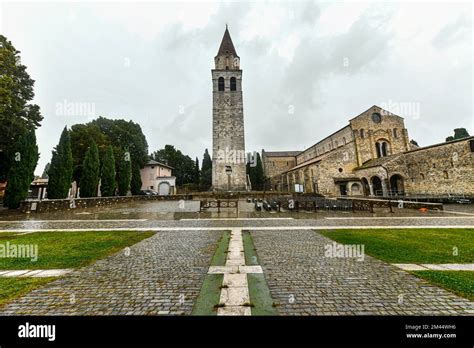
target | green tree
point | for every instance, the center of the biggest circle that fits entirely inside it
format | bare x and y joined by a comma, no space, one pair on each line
197,173
21,171
107,178
90,172
124,134
183,165
60,170
124,173
118,133
255,172
45,171
17,116
206,171
136,181
459,133
82,135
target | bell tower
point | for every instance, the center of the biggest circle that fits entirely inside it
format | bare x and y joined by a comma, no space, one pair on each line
228,142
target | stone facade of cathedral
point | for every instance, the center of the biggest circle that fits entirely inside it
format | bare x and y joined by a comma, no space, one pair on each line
228,142
373,156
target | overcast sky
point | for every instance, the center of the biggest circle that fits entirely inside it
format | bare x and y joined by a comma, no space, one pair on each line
308,67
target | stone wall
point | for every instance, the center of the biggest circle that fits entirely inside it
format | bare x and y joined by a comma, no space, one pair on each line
275,165
67,204
440,169
332,142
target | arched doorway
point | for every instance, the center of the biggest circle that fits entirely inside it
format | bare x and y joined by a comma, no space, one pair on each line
397,186
164,189
356,189
365,185
377,186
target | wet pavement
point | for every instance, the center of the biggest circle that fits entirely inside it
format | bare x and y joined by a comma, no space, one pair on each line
156,214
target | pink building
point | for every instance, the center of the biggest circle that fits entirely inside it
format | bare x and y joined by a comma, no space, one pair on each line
157,177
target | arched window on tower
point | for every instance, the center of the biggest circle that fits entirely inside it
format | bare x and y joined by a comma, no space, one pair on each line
362,133
233,84
220,84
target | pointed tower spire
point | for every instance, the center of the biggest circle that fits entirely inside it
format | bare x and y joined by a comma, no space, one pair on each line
227,46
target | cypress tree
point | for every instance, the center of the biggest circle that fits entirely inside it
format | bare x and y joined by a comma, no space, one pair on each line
206,171
107,179
90,172
21,172
258,174
136,181
124,174
197,172
60,170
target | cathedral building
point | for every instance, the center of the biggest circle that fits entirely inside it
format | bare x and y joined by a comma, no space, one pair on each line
373,156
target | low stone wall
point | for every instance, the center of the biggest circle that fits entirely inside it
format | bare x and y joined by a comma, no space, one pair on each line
66,204
394,203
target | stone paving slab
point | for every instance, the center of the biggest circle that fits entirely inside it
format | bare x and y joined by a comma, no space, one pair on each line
235,296
303,281
161,275
435,267
234,310
410,266
15,273
232,280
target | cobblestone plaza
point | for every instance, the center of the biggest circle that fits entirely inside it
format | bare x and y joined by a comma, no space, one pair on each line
164,274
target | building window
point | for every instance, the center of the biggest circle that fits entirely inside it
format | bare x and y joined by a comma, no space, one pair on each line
221,84
395,133
340,170
471,145
362,134
344,140
376,117
445,174
381,148
422,176
233,84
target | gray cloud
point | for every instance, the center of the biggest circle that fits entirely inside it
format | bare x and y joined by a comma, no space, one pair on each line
127,65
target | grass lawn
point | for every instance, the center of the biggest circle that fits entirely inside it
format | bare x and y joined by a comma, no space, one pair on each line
209,296
59,250
419,246
411,245
260,296
459,282
69,249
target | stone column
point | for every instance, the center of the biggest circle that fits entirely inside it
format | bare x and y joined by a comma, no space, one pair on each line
371,189
384,187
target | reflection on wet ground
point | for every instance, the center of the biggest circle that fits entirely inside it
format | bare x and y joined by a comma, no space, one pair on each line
171,210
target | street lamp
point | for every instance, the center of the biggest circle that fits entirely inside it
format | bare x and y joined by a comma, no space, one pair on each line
228,170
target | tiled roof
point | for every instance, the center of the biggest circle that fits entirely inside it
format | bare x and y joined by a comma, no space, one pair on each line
155,163
282,153
226,45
